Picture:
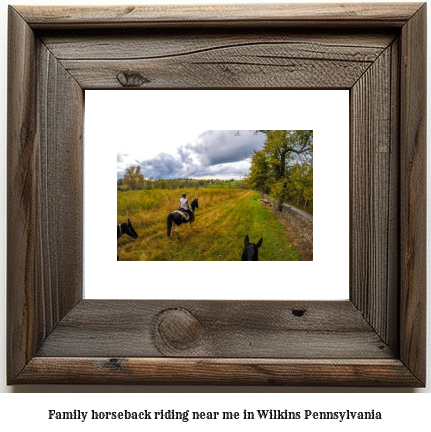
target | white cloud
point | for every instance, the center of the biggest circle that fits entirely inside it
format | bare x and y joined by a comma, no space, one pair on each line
211,154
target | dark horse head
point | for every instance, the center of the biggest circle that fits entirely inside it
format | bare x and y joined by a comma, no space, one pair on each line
126,228
178,217
194,205
249,253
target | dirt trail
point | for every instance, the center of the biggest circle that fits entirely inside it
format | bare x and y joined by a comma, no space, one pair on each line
299,243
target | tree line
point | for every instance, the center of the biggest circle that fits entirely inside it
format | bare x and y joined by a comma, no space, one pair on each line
133,179
283,168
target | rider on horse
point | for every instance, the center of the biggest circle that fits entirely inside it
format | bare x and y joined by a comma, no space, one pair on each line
184,206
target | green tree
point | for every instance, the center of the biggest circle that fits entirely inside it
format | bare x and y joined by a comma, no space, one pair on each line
259,172
133,176
300,188
271,167
283,149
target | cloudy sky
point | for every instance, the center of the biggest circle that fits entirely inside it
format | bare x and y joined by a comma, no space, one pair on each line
191,153
190,133
177,134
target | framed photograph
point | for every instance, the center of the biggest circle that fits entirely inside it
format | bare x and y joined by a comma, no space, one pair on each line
188,144
375,337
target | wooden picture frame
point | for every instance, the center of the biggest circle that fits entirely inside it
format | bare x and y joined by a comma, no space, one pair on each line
376,338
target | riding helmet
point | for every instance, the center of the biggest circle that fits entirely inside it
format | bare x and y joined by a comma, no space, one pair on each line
183,194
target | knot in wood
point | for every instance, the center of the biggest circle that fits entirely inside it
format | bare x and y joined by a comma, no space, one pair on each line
298,312
178,329
115,363
131,79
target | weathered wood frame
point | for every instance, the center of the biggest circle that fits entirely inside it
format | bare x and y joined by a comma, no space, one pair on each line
376,338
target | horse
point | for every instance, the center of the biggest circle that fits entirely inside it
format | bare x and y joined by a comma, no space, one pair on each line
126,228
180,218
249,252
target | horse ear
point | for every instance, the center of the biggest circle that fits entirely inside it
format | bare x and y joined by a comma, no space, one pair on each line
259,243
246,240
128,221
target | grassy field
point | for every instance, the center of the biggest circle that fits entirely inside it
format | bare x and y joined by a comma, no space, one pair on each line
223,219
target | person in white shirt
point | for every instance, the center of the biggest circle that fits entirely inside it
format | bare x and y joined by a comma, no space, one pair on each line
184,205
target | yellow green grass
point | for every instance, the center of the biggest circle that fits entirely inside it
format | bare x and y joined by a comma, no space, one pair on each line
223,219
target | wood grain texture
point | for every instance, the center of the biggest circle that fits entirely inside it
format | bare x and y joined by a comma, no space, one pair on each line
54,336
230,71
300,14
59,182
373,194
217,371
45,185
289,61
21,194
140,44
413,194
220,329
204,59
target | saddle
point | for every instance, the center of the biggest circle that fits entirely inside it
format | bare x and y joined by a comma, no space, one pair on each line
185,214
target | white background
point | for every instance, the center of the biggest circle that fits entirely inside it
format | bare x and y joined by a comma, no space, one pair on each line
401,409
324,278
